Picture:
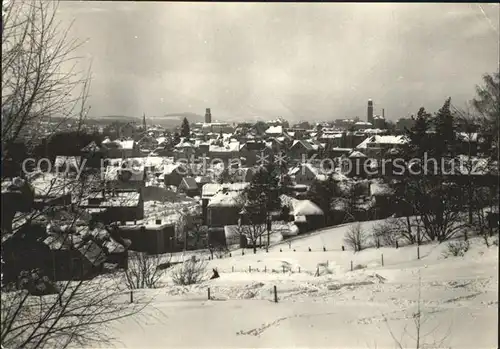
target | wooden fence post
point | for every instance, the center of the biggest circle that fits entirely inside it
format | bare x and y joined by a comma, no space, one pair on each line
208,289
351,265
283,269
418,252
299,269
382,259
131,296
275,295
249,269
265,269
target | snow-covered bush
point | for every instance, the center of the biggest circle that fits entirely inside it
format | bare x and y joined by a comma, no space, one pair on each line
456,248
359,266
190,272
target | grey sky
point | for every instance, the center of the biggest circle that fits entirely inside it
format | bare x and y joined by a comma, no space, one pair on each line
299,61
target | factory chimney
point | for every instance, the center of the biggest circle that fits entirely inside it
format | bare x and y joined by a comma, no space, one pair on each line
383,113
370,112
208,116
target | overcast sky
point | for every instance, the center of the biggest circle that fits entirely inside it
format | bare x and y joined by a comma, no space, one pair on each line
295,60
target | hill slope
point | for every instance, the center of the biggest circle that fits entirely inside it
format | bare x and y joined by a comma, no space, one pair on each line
458,296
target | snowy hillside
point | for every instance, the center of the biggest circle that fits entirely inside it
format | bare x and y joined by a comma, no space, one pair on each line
339,308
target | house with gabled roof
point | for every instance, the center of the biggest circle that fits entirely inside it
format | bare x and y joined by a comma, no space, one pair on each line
126,176
224,208
210,190
173,173
306,174
300,149
92,154
115,205
61,252
147,142
353,165
189,187
149,236
377,145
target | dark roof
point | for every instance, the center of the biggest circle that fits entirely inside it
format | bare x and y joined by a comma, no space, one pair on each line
92,252
189,183
92,147
116,199
306,145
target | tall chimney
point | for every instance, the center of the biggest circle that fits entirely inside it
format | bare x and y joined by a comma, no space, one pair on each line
369,117
208,116
383,113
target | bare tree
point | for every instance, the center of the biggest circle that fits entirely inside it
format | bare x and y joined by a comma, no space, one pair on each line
418,337
188,228
253,231
438,205
78,313
384,234
356,238
40,79
144,271
219,249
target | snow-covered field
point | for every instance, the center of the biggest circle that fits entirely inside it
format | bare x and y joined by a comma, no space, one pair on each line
339,308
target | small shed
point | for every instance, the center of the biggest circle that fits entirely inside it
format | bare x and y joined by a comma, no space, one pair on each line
189,186
153,237
307,215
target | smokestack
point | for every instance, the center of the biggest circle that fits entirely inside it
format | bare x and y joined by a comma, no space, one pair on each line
208,116
383,113
369,117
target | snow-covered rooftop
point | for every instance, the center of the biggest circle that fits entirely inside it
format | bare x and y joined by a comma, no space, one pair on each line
387,139
275,130
127,144
226,199
357,154
305,208
210,189
233,146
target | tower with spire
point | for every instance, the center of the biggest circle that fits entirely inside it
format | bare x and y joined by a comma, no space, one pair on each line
144,122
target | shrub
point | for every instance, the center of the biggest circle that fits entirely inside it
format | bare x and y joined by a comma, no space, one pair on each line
456,249
190,272
356,238
359,266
